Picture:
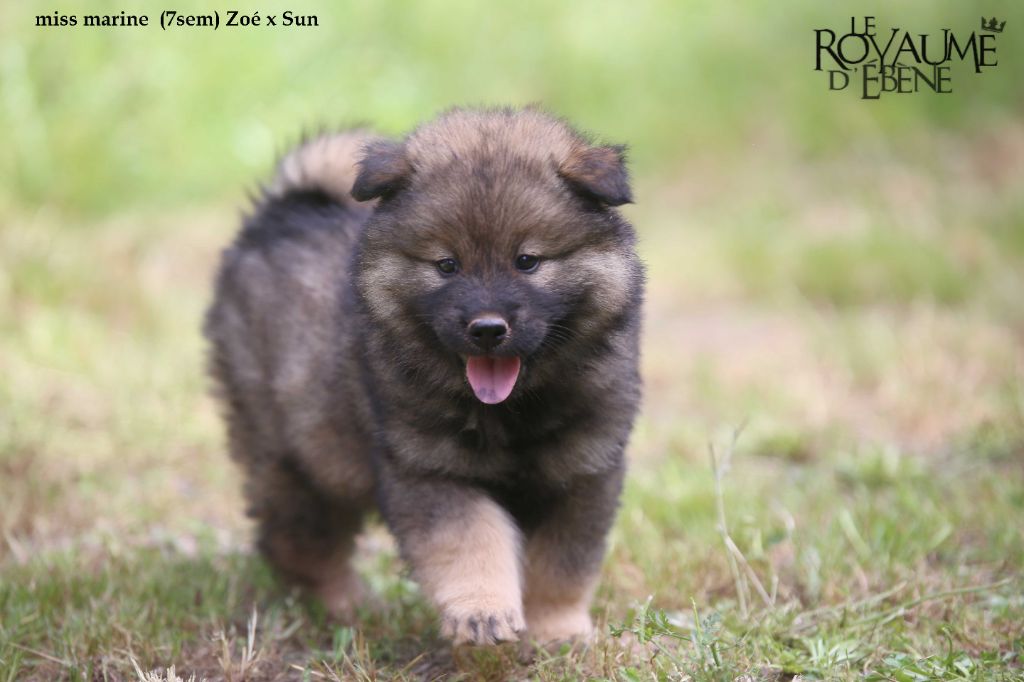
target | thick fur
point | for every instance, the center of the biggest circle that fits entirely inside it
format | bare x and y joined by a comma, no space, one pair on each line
340,352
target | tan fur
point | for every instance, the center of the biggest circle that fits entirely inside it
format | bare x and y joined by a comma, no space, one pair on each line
584,268
557,609
465,133
386,272
327,163
470,568
593,264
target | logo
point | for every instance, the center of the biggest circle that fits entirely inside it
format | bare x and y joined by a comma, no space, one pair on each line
901,62
994,26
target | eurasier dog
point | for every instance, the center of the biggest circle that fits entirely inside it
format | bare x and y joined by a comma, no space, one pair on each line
445,328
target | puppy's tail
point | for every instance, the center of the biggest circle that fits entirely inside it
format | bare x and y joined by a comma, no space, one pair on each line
326,163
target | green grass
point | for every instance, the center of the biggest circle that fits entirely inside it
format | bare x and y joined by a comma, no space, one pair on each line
840,278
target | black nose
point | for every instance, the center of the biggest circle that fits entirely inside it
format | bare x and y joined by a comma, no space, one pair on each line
488,331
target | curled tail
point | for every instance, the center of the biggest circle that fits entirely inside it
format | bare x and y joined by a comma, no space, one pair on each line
326,163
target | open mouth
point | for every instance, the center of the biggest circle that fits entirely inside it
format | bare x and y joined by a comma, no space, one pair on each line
492,379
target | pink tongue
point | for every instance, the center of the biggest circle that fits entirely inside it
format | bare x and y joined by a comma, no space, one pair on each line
492,379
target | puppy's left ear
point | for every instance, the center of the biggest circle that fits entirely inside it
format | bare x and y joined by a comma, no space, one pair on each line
599,173
383,170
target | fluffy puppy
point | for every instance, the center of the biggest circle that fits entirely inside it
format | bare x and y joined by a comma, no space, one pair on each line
443,327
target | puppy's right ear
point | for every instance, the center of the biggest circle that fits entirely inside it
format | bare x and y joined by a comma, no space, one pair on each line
383,170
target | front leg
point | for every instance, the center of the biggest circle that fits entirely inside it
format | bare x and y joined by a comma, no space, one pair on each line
464,550
563,559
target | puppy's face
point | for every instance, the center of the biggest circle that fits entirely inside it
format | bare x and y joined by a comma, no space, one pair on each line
488,262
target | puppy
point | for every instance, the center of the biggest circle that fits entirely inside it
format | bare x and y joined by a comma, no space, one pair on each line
445,328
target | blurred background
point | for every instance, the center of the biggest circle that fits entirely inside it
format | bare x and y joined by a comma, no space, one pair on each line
842,278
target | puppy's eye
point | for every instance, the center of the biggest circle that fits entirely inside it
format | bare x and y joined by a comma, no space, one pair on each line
527,262
447,266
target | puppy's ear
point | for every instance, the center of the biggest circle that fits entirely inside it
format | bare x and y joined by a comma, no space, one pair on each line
599,173
383,170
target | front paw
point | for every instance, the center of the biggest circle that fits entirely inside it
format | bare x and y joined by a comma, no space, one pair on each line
481,626
551,626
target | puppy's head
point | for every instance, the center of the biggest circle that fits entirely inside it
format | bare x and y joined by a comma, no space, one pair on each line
495,247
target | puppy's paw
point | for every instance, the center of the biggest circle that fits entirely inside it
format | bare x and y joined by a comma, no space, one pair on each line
554,625
343,595
482,627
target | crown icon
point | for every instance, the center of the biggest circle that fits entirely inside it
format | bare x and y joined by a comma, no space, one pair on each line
992,25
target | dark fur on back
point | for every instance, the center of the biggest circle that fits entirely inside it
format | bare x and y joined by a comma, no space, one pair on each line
340,352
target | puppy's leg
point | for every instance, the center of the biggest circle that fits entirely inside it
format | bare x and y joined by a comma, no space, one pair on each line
308,537
465,553
563,559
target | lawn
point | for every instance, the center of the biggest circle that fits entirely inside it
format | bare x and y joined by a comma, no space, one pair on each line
827,477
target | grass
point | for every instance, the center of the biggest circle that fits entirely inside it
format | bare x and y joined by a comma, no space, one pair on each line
842,280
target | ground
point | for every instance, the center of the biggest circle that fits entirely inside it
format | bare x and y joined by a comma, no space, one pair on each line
827,476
